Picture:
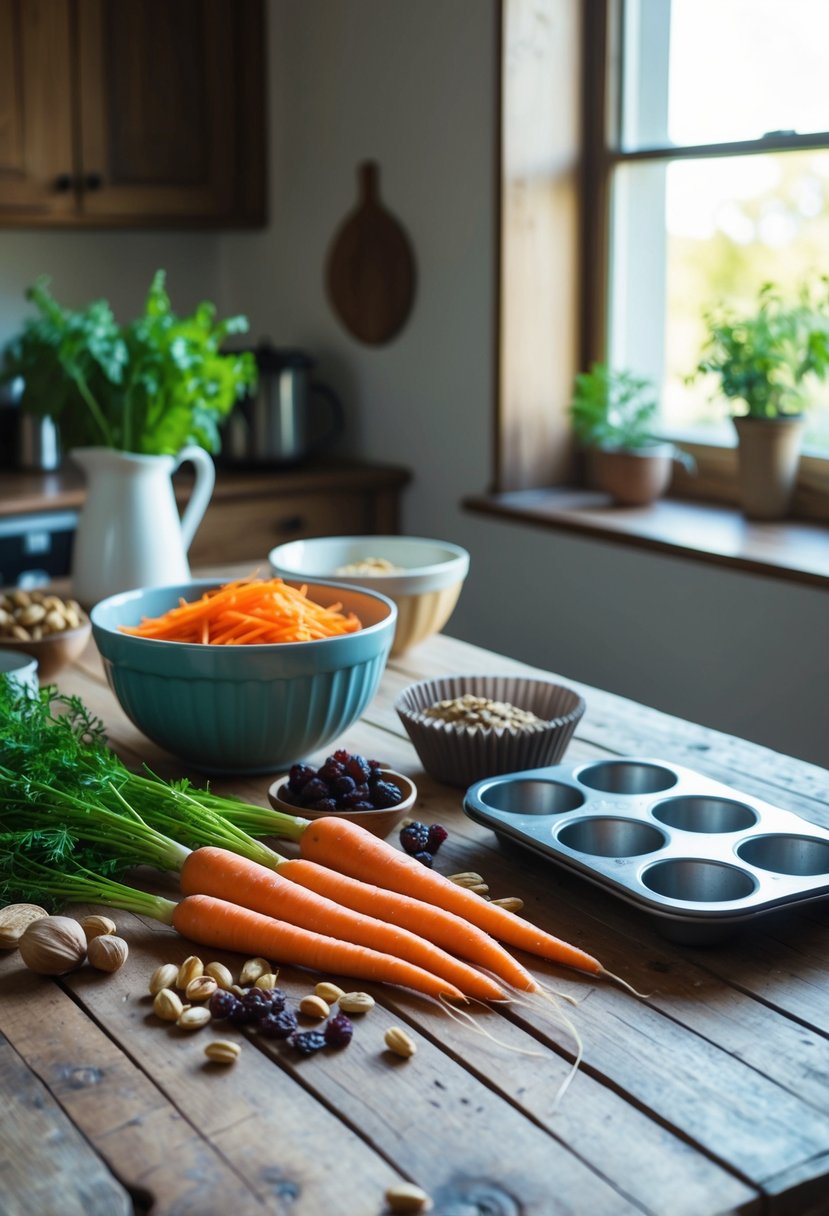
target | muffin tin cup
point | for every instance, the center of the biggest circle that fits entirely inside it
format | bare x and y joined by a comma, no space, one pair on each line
701,857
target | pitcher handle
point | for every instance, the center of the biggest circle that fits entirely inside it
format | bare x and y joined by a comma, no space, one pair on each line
201,493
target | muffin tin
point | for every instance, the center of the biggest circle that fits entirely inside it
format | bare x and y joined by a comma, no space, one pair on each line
701,857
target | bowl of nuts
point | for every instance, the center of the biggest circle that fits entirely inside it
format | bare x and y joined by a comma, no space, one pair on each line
465,728
346,786
41,624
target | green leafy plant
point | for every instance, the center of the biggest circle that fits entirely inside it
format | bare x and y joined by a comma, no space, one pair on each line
150,386
613,408
765,359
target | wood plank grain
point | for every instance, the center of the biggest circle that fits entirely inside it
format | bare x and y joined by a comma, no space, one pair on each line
272,1099
147,1142
45,1163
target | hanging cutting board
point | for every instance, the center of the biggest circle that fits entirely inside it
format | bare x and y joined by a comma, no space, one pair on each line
370,270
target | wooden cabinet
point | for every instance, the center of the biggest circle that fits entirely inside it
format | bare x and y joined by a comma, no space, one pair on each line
132,112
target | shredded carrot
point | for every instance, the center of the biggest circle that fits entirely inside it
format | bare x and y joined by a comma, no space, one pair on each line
248,612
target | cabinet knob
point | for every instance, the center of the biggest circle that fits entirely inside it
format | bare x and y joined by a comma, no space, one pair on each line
291,523
93,181
63,183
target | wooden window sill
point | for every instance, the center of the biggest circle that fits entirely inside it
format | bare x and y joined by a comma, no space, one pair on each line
793,550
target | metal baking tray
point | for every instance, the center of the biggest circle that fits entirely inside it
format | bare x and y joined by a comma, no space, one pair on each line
701,857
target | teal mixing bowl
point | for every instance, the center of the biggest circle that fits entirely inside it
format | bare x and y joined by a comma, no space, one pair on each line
243,709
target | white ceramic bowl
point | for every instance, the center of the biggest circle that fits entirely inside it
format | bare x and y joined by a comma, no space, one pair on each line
425,588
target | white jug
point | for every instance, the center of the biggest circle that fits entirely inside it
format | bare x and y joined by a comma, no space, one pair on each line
129,532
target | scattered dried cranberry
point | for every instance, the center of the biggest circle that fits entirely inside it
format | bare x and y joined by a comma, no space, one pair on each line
338,1031
437,835
257,1002
414,837
307,1042
424,858
278,1025
276,998
222,1004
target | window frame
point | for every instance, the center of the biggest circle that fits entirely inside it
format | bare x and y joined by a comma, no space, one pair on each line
534,446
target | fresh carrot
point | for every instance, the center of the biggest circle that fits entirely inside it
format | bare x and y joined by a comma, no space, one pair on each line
248,612
445,929
227,926
352,850
225,875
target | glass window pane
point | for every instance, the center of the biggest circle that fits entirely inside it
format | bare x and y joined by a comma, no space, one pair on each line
715,71
729,226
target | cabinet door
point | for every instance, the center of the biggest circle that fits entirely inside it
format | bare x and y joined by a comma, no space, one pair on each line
157,108
36,154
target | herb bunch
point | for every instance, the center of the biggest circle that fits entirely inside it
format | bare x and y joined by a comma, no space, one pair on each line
151,386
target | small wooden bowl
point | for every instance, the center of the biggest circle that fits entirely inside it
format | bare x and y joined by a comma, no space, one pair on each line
55,651
380,823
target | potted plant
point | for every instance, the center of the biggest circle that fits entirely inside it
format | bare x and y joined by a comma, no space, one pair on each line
613,413
132,402
765,362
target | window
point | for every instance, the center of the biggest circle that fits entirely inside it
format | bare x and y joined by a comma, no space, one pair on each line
658,157
718,168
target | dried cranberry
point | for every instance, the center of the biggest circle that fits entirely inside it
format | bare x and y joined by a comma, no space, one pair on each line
298,776
278,1025
424,858
338,1031
331,770
414,837
313,790
358,768
307,1042
384,794
276,999
222,1004
327,805
341,755
342,786
358,795
437,835
257,1002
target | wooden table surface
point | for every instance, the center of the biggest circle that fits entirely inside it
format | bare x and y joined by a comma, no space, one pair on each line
709,1096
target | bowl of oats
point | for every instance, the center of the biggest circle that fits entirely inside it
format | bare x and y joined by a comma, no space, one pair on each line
423,577
465,728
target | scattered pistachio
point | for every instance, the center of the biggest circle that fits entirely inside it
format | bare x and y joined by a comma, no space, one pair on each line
314,1007
167,1005
329,992
398,1041
356,1002
190,969
267,982
220,973
510,903
222,1051
193,1017
252,970
164,976
467,878
201,988
406,1197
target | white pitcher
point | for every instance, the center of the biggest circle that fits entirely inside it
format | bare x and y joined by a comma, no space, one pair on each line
129,532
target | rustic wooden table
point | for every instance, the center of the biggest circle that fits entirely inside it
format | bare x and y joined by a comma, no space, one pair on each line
710,1096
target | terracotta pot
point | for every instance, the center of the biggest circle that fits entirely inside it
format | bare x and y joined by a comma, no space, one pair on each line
633,477
768,454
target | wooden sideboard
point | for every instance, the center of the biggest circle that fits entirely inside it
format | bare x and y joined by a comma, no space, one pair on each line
252,510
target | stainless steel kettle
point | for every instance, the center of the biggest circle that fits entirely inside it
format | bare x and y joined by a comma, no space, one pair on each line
289,418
